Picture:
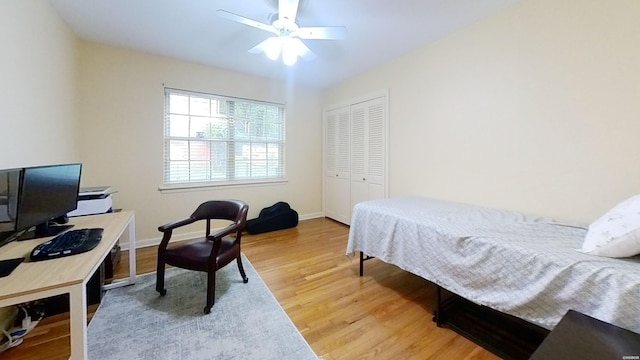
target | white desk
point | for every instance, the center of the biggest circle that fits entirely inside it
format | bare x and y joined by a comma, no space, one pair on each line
36,280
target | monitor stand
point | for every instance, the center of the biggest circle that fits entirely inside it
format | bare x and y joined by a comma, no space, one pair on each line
44,230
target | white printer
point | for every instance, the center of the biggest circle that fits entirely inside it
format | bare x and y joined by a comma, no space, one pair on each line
93,200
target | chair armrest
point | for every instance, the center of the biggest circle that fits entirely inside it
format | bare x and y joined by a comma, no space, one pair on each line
224,231
175,224
217,243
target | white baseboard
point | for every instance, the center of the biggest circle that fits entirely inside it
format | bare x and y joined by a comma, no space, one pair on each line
311,216
192,235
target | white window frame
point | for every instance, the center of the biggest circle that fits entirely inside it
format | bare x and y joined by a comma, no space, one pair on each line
248,157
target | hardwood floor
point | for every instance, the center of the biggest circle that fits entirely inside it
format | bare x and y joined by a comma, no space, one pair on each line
384,315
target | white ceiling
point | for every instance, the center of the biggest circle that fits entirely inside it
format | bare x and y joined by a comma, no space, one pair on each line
378,30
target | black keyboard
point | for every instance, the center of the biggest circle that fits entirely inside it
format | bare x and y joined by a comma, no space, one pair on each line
68,243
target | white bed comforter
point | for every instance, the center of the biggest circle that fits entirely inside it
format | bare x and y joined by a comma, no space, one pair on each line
524,266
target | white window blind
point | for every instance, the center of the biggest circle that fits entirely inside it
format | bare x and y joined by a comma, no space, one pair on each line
215,139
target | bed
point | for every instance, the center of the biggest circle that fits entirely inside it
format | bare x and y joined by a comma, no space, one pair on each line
524,266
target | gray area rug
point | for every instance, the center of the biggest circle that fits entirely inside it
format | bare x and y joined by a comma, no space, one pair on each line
246,322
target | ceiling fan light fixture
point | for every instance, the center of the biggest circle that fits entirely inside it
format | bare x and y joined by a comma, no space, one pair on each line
289,51
273,48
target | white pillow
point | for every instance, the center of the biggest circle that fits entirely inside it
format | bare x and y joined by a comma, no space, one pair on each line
617,232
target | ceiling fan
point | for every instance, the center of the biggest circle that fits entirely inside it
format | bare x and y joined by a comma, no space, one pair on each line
287,33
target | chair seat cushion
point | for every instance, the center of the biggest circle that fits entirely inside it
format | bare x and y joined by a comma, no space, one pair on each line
194,254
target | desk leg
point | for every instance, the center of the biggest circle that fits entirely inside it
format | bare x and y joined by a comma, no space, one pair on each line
130,236
132,251
78,321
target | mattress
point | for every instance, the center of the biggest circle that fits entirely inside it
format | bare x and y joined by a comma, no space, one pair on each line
525,266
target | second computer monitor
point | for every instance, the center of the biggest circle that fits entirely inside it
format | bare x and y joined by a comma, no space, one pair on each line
47,193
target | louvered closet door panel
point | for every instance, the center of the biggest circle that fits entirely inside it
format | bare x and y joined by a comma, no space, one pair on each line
337,185
337,143
376,143
358,143
359,163
337,200
331,144
368,150
344,158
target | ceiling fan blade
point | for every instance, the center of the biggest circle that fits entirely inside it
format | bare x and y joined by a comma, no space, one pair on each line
303,50
246,21
287,9
322,33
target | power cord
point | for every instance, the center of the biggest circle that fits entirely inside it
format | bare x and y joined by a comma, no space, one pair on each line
27,318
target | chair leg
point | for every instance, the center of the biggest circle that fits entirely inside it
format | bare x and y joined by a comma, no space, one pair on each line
211,291
245,279
160,278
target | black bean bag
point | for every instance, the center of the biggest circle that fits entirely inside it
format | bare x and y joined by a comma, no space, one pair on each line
275,217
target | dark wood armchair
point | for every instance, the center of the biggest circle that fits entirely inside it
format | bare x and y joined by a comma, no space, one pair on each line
209,253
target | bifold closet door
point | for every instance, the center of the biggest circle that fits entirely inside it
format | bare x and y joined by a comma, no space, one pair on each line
368,150
337,165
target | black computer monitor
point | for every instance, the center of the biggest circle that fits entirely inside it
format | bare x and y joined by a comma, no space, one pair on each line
46,193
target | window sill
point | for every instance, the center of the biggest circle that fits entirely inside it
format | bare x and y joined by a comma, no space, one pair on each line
217,186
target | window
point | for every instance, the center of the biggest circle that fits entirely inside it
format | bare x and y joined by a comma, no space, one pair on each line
215,139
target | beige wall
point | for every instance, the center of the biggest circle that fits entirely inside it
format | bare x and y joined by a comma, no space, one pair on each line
38,122
536,109
122,104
